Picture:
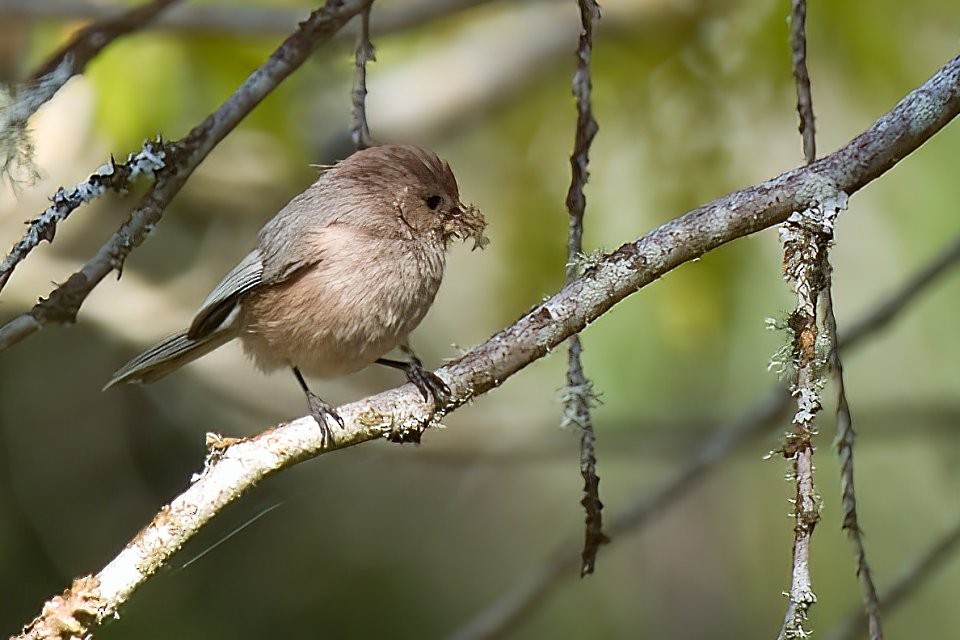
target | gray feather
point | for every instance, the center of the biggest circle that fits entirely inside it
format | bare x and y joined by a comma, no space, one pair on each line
168,355
224,297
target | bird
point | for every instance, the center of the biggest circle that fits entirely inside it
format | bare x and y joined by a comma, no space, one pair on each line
337,279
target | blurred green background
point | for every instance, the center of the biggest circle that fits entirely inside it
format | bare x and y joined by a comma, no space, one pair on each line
694,99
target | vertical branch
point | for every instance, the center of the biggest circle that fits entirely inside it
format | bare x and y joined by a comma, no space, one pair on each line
579,392
804,247
798,43
360,132
804,256
845,432
844,444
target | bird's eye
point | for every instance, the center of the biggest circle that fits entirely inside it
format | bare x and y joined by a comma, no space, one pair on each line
434,201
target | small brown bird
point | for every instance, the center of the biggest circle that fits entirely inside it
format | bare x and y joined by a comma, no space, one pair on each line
338,278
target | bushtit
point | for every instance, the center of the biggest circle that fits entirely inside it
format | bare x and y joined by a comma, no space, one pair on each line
338,278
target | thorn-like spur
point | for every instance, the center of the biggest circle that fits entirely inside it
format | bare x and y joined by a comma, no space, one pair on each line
321,410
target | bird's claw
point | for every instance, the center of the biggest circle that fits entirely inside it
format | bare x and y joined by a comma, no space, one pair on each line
322,411
429,384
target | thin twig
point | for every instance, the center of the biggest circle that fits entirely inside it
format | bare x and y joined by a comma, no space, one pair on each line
234,467
846,435
87,43
518,601
111,176
798,44
579,393
360,131
182,157
934,559
844,444
806,241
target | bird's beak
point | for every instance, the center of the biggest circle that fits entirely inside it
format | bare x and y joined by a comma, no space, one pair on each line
466,221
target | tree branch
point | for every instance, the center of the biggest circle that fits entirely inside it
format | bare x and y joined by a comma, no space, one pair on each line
360,131
579,393
515,604
235,466
110,176
806,237
181,158
87,43
846,435
798,44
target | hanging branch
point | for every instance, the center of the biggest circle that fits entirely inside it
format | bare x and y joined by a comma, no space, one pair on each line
822,279
844,444
798,44
360,132
805,237
578,394
234,466
16,145
180,160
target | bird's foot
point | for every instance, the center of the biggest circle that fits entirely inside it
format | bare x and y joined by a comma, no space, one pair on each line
324,414
429,384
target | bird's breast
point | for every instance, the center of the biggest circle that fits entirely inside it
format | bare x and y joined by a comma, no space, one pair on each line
341,314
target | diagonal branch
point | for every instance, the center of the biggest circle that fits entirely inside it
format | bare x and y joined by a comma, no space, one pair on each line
112,176
513,605
94,38
235,466
182,158
579,394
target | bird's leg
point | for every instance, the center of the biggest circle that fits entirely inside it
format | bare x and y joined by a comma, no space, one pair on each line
429,384
320,409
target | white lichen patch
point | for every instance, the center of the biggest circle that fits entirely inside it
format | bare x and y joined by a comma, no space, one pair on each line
806,237
573,398
144,163
808,403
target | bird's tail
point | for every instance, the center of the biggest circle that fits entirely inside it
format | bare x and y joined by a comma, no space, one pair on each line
170,354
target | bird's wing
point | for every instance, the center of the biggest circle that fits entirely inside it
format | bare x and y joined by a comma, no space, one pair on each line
282,242
281,252
221,301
